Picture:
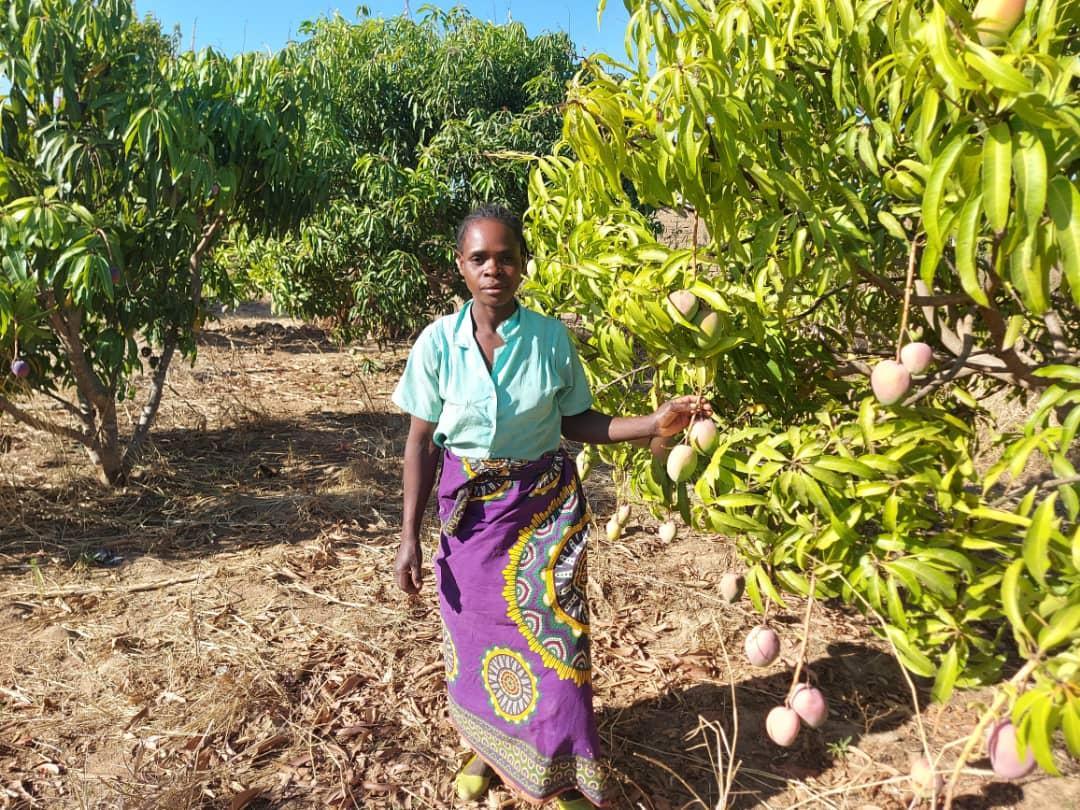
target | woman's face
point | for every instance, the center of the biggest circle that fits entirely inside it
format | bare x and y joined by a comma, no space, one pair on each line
491,263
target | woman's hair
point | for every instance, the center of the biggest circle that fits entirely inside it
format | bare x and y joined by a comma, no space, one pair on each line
499,213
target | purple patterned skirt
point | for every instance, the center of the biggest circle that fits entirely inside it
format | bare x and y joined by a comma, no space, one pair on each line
511,572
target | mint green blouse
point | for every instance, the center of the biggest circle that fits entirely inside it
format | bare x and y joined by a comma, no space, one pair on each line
513,411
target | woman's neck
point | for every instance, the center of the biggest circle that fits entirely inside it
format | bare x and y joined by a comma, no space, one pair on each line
488,319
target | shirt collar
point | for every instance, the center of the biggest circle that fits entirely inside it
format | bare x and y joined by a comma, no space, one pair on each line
463,329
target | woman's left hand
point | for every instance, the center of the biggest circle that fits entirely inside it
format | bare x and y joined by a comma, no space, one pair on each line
676,414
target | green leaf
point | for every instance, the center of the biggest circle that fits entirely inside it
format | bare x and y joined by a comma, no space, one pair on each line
1061,628
945,681
910,657
1029,169
1070,726
847,466
893,226
997,175
1010,600
967,247
1059,372
1063,200
935,186
1028,274
933,578
995,70
1042,721
1037,540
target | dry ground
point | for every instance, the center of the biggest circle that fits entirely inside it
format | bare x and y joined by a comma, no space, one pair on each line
223,632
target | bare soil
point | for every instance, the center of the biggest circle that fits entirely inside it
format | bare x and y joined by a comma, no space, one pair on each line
223,631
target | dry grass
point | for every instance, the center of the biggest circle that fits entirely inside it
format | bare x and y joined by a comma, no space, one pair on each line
250,651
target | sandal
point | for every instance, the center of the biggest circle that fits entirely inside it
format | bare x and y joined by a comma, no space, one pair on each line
471,786
578,802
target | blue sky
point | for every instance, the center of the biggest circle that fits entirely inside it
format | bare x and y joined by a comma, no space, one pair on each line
232,26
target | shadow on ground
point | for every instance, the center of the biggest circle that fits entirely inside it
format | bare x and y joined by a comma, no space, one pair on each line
667,730
260,483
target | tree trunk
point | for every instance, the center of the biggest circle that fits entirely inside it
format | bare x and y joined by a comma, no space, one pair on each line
108,460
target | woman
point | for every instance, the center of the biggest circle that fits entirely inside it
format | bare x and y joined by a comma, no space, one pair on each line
490,390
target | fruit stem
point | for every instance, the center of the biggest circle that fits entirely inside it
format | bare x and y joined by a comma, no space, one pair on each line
805,635
694,244
896,654
988,716
907,295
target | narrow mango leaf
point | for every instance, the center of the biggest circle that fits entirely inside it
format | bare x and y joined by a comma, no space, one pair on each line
1070,726
1037,540
945,681
1040,731
967,248
735,500
940,170
941,43
933,578
846,466
892,226
1074,545
997,175
1060,628
910,657
1010,601
1059,372
1063,200
1027,273
753,591
1013,331
1000,74
765,583
1029,168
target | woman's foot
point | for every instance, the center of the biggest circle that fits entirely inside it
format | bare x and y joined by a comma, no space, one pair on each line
572,800
473,779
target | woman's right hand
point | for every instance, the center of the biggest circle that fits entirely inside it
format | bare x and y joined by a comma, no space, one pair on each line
408,566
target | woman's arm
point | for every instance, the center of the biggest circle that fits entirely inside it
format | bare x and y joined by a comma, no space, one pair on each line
421,462
673,416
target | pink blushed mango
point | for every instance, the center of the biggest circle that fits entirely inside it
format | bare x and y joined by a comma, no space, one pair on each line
762,646
681,463
703,436
731,587
685,303
613,529
995,19
916,357
890,381
667,531
924,780
1005,759
809,703
782,726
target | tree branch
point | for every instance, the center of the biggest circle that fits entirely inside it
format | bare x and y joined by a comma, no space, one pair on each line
157,381
956,371
37,423
978,358
78,413
150,409
1056,331
67,329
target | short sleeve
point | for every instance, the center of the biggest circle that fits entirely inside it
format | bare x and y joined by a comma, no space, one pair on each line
575,396
417,392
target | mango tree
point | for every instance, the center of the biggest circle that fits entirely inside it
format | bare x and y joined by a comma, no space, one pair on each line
857,174
421,120
122,163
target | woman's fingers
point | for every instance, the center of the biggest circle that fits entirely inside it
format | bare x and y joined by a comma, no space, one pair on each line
408,574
